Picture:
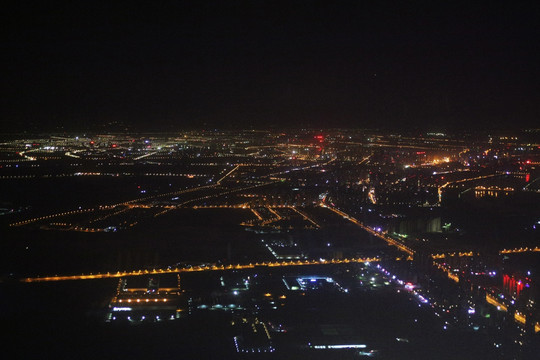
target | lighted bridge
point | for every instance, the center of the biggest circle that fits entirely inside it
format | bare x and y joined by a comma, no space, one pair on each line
199,268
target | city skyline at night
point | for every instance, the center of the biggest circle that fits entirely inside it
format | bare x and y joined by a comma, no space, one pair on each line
269,240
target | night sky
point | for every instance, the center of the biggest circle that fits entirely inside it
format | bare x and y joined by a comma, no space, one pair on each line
160,65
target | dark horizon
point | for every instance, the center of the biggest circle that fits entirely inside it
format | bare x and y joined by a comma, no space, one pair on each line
159,66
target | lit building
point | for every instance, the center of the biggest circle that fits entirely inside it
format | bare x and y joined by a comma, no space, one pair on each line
146,304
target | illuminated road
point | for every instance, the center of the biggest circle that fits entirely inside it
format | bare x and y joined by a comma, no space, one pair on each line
388,240
25,222
198,268
129,203
532,182
458,254
440,189
227,174
304,215
145,155
257,214
104,174
519,250
400,146
299,168
470,253
448,270
172,193
225,193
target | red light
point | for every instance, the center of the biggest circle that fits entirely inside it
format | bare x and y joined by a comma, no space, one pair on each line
113,145
528,161
409,286
420,152
91,143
